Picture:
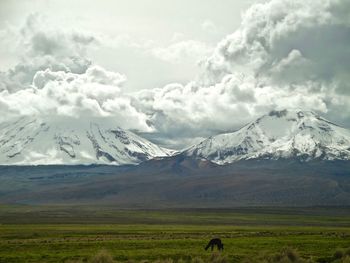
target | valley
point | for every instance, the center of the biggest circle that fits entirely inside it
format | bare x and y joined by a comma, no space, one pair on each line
76,234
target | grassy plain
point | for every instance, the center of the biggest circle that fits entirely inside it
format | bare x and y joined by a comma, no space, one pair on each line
62,234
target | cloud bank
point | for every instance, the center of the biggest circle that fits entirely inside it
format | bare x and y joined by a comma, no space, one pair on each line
295,46
285,54
41,46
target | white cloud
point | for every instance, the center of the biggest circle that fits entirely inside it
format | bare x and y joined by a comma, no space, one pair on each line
198,111
209,26
271,31
288,44
183,51
40,46
285,54
96,93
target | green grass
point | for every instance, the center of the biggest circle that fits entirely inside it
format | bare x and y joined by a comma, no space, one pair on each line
78,234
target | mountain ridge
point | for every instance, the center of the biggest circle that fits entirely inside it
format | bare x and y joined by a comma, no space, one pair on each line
285,134
34,141
189,180
278,135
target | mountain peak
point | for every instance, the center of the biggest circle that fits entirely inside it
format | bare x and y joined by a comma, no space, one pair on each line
278,114
292,113
34,141
283,134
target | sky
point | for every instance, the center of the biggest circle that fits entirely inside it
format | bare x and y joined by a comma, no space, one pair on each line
153,42
174,71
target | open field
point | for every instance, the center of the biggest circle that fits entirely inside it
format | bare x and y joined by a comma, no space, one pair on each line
60,234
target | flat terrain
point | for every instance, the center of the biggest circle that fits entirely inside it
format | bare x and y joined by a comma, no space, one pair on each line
60,234
180,182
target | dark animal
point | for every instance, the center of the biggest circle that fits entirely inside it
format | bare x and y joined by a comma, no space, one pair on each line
215,242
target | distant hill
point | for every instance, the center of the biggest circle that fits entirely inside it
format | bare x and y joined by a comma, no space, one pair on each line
181,181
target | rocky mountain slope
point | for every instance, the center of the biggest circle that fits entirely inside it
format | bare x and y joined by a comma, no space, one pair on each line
32,141
286,134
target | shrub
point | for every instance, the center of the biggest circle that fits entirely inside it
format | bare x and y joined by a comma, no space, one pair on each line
342,256
338,254
197,260
287,255
103,256
218,258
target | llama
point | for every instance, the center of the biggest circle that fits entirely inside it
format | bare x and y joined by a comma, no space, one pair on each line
215,242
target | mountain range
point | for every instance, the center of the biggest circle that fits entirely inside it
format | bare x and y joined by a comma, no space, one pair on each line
285,134
284,158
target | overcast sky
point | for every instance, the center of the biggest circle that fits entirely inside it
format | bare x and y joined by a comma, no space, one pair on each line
153,42
174,71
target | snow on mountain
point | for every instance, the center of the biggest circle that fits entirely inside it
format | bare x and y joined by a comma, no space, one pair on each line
33,141
297,134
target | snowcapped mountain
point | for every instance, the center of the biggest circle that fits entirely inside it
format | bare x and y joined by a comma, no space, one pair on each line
285,134
32,141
